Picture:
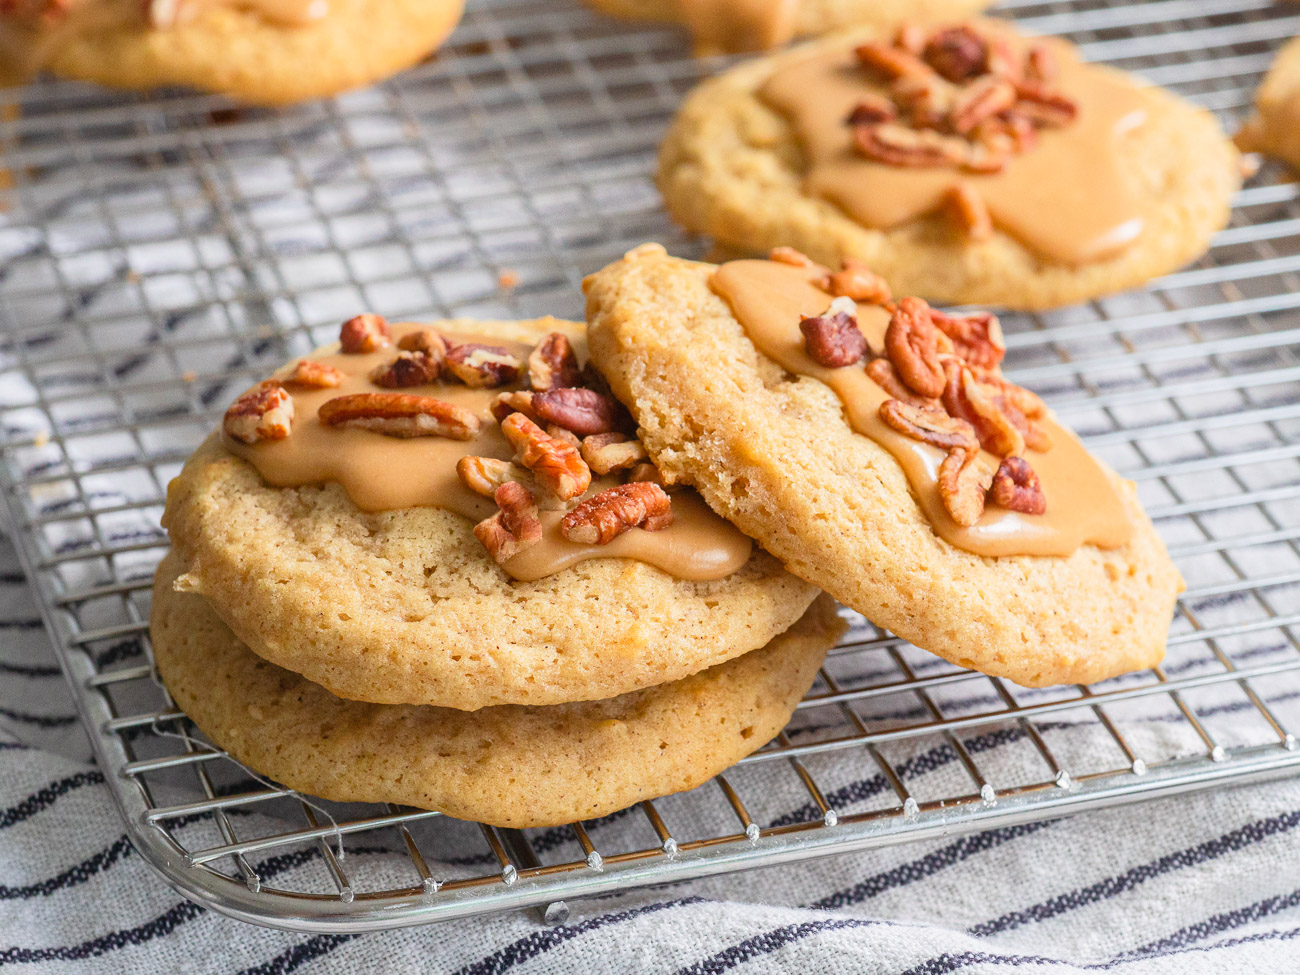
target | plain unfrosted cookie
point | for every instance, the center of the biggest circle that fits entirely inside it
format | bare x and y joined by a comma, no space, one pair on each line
746,25
732,168
508,766
1275,127
231,48
406,607
775,456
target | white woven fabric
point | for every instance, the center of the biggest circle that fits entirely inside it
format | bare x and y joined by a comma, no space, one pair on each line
1203,883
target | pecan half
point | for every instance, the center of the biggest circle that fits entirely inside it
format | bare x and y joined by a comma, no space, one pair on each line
1016,487
963,483
913,348
833,339
309,374
605,452
857,281
408,369
584,411
896,145
553,364
980,100
424,340
602,518
884,376
515,527
483,475
483,366
1045,109
934,427
515,401
788,255
265,412
400,415
957,53
891,62
977,338
969,212
872,109
966,399
364,333
558,466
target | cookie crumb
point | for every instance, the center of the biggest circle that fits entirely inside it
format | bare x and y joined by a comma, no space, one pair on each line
508,279
189,375
41,438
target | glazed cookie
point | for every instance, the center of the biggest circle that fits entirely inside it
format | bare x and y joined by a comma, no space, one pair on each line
918,486
360,521
260,51
753,25
966,165
1275,127
507,766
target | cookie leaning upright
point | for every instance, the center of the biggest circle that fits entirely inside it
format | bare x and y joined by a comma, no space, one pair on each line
886,521
1275,127
451,515
262,52
966,165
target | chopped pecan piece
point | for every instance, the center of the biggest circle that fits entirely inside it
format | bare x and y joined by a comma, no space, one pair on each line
896,145
364,333
977,338
1007,135
963,483
553,364
515,527
408,369
265,412
483,366
927,100
1041,68
558,466
788,255
400,415
424,340
891,62
645,472
872,109
602,518
833,339
913,347
309,374
1016,487
857,281
1045,109
483,475
911,38
884,376
957,53
605,452
980,100
969,212
1026,401
934,427
583,411
986,158
516,401
965,398
560,433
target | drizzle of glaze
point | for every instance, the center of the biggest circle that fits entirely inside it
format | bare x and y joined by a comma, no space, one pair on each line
769,299
382,473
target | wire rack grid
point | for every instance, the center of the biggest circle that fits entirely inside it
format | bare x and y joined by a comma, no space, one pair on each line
159,253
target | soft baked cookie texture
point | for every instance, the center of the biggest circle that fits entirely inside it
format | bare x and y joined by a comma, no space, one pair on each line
507,766
405,606
732,168
775,456
1275,127
715,21
232,50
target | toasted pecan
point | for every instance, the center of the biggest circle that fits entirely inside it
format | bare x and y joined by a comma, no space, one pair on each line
553,364
558,466
583,411
957,53
400,415
963,483
965,398
912,345
897,145
1016,487
364,333
931,426
310,374
265,412
606,452
513,529
408,369
482,366
602,518
976,337
833,339
857,281
424,340
880,370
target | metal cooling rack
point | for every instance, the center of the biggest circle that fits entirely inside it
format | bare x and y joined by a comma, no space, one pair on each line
158,253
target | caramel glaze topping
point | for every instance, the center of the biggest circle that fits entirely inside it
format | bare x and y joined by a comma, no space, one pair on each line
1066,198
381,473
769,299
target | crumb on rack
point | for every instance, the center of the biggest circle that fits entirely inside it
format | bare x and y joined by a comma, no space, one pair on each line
508,278
41,438
189,375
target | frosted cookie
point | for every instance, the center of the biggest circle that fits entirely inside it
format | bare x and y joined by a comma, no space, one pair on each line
884,458
461,516
508,766
1275,127
967,165
259,51
754,25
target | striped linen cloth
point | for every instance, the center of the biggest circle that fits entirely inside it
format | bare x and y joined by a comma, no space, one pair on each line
1208,882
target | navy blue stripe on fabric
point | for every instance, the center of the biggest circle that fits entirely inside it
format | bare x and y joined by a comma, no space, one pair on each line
39,720
770,941
74,875
165,923
540,942
300,954
47,796
1226,921
1230,842
29,670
